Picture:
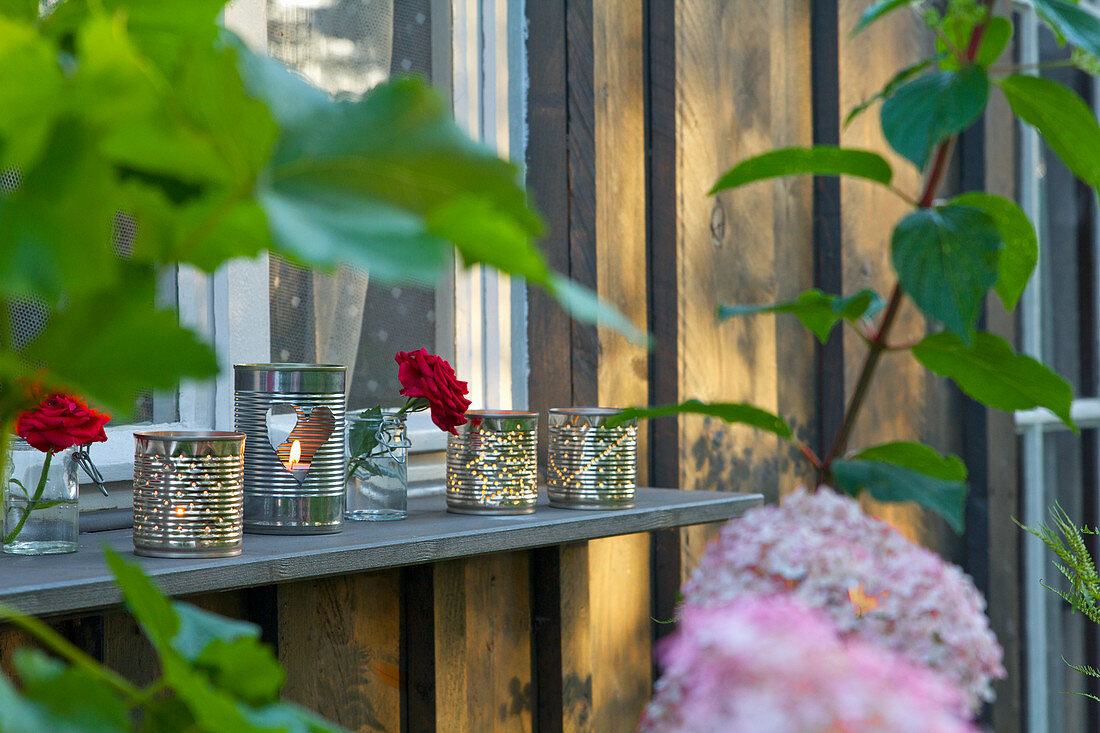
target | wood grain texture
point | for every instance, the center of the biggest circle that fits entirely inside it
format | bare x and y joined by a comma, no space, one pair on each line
339,641
618,571
126,650
483,644
548,328
742,71
84,632
1003,489
869,215
583,192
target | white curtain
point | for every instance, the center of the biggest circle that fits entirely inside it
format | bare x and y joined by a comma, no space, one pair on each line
345,48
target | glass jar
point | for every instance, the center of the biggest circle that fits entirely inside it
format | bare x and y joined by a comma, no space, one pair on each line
377,473
41,512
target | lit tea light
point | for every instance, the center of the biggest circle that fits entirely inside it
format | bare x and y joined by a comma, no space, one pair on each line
298,467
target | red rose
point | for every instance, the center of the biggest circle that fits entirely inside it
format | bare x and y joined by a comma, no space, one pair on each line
426,376
60,422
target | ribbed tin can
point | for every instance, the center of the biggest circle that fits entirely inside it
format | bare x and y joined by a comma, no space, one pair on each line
592,466
491,463
188,493
276,406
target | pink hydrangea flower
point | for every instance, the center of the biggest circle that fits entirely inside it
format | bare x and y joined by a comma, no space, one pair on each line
874,584
770,665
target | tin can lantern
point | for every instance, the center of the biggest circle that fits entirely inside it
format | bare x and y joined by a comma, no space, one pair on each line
188,493
491,463
591,465
293,415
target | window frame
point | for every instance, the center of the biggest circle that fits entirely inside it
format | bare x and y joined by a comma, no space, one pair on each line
1032,426
485,336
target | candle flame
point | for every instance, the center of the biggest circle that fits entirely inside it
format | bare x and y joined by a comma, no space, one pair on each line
295,454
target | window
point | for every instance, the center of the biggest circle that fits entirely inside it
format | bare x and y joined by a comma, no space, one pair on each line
1058,324
270,309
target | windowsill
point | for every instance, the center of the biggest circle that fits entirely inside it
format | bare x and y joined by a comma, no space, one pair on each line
81,581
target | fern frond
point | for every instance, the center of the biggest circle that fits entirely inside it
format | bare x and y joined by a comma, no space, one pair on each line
1083,669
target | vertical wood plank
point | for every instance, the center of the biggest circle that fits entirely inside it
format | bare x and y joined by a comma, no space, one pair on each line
548,329
12,638
583,202
618,571
84,632
577,636
619,603
126,650
339,641
742,72
483,644
1002,484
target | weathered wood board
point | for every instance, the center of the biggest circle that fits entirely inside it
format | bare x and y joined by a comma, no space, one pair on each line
742,88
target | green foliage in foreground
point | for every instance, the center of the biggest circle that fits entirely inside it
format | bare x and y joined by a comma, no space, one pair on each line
216,676
148,113
947,255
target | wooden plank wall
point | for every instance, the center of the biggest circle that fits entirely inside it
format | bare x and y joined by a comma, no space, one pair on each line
742,87
595,188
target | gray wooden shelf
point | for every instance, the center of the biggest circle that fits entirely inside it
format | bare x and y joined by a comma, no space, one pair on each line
81,581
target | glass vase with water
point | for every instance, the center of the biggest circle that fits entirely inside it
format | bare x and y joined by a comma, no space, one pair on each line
377,472
41,509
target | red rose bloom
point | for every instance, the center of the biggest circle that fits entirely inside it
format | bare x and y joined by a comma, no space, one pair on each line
427,376
61,422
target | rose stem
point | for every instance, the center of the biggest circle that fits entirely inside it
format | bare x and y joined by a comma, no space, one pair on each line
34,500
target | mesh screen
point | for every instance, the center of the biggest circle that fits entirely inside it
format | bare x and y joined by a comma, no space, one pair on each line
28,316
340,46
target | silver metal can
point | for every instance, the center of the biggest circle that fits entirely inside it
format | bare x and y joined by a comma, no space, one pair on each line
188,493
293,415
591,465
491,463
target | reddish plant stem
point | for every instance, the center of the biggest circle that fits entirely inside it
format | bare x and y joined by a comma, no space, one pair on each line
876,343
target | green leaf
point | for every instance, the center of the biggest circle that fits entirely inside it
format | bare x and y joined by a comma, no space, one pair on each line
946,259
895,81
818,312
30,93
1077,23
203,231
363,435
1021,247
821,160
877,10
166,715
998,32
929,109
893,483
20,9
150,607
1062,118
230,652
19,715
113,344
246,667
389,183
75,698
55,228
730,412
918,457
995,375
198,629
